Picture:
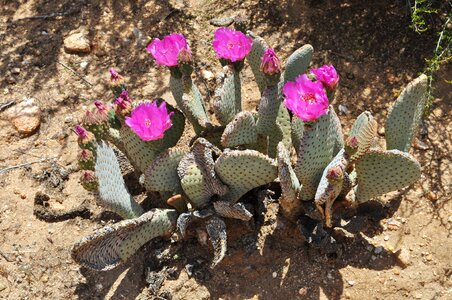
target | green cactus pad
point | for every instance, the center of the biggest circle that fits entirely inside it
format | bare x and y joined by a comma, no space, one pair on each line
244,170
198,178
405,116
380,172
113,192
339,136
232,211
365,131
328,190
298,62
240,131
283,120
228,96
297,132
216,229
315,152
290,186
268,110
140,153
162,174
254,59
113,245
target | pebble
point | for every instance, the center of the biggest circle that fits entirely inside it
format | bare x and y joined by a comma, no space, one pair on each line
2,286
25,117
77,42
351,282
207,75
83,64
429,257
378,250
381,130
303,291
274,274
343,109
404,257
15,71
432,196
386,238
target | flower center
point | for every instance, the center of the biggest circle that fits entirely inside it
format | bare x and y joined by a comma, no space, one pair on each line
147,123
310,98
230,45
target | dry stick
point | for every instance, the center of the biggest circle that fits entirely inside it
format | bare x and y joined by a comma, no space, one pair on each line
49,16
5,105
3,171
73,71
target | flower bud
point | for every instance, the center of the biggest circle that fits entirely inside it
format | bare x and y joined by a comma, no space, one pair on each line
271,64
88,180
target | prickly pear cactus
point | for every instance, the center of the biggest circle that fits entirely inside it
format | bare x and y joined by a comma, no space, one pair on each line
205,175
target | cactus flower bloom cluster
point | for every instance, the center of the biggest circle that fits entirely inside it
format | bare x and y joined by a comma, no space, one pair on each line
166,51
271,64
231,45
150,121
327,75
306,99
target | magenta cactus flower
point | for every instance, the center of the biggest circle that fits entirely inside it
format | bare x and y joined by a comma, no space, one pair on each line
166,51
327,75
271,64
150,121
306,99
231,45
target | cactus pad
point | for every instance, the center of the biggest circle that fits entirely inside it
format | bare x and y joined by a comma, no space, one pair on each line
297,132
244,170
228,96
316,152
162,174
254,59
113,192
233,211
405,116
112,245
380,172
240,131
268,110
290,186
216,229
364,131
298,62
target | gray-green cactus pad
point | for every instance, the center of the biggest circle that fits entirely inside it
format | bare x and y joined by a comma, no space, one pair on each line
298,62
162,174
406,113
113,192
316,152
198,178
290,186
113,245
243,171
254,59
297,132
268,110
380,172
140,153
240,131
216,229
365,131
228,96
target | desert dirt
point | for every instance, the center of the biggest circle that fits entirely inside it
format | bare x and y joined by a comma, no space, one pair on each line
376,54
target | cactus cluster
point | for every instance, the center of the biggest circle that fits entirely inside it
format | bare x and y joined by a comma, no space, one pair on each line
233,152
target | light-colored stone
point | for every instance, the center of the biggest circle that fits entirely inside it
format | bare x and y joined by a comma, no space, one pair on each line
207,75
25,117
77,42
404,257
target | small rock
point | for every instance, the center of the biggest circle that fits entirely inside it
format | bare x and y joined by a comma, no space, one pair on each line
83,65
44,32
378,250
303,291
68,119
432,196
10,79
366,92
429,257
25,117
404,257
381,130
386,238
393,224
207,75
343,109
420,145
2,286
274,274
77,42
15,71
351,282
396,272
